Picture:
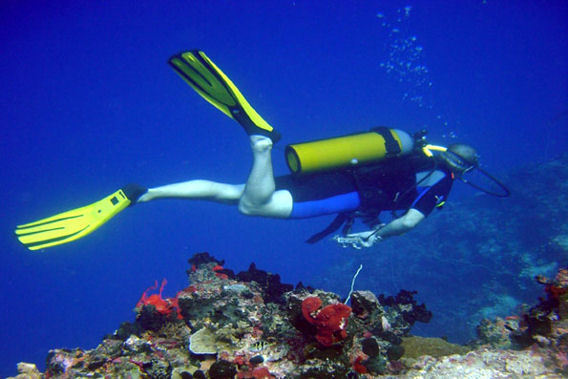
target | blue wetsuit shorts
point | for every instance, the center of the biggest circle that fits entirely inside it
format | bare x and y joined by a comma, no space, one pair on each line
321,194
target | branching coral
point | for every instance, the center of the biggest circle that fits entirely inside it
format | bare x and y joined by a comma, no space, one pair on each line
163,306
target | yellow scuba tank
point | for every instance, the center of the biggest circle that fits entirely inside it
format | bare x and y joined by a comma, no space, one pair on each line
347,151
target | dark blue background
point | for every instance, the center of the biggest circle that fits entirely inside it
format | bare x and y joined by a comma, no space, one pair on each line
88,103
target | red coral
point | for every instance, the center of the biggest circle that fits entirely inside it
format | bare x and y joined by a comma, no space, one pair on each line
261,373
163,306
218,274
310,305
240,360
555,291
190,289
557,287
358,366
257,373
330,321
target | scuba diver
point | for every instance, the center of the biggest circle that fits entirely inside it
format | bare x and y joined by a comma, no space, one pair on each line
356,176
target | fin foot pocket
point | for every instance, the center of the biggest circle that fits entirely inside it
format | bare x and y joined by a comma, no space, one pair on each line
133,192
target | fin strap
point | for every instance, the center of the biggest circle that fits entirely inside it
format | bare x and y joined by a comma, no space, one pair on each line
332,227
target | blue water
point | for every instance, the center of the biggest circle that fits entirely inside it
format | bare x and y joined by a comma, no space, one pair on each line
88,103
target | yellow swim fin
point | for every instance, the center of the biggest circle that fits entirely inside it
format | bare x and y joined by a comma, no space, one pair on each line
77,223
215,87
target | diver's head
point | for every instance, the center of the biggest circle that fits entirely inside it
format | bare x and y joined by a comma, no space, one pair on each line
460,158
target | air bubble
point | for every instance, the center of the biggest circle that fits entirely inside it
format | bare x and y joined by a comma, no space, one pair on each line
405,62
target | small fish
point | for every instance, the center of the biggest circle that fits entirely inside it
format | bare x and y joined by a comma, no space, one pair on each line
259,346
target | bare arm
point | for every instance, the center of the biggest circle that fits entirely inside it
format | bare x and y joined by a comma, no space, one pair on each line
396,227
402,224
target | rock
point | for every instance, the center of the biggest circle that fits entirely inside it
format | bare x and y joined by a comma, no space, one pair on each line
395,352
27,371
149,318
256,359
376,365
200,258
324,369
110,347
159,369
222,370
126,329
365,303
182,373
483,364
415,347
370,346
270,283
136,344
497,333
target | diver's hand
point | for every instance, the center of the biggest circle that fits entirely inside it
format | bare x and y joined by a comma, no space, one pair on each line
358,240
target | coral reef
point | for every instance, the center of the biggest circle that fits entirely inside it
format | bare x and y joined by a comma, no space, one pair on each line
231,326
542,328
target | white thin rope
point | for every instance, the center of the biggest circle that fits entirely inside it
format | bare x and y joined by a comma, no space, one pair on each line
353,284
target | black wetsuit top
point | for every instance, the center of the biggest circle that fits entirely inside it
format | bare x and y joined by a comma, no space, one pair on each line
390,185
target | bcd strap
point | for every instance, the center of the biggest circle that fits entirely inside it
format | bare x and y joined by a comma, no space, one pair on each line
391,145
332,227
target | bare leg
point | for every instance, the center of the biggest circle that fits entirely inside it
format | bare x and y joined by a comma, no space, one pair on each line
197,189
260,183
256,198
259,197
